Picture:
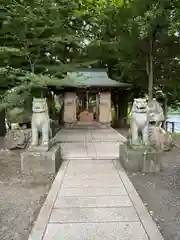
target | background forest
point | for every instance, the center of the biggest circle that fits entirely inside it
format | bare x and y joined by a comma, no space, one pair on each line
138,41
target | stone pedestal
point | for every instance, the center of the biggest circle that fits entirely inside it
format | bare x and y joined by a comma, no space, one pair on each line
105,125
140,159
151,162
69,125
35,160
105,108
17,138
70,116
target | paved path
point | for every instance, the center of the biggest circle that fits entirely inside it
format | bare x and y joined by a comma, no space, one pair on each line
93,199
89,144
88,135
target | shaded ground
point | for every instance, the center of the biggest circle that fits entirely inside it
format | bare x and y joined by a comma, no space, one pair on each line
21,197
161,193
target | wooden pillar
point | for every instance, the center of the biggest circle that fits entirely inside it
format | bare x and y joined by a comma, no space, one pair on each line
87,100
97,106
114,98
70,116
105,108
122,108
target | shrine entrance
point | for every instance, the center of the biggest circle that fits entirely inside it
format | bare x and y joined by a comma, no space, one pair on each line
87,106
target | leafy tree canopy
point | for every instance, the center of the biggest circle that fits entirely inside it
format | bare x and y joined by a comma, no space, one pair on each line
138,41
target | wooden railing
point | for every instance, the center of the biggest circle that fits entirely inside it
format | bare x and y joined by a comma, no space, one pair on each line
171,126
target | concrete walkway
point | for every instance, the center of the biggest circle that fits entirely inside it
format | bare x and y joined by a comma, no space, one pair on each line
93,200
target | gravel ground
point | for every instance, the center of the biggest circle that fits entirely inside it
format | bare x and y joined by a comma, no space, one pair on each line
161,193
21,196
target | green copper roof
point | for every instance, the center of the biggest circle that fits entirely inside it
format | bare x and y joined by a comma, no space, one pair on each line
92,78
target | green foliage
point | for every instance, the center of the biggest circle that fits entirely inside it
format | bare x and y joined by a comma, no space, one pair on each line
42,40
124,37
174,26
18,115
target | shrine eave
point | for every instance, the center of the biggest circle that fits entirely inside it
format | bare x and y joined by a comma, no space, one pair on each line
90,78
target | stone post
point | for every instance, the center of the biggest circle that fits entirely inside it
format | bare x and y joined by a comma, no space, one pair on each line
105,109
70,117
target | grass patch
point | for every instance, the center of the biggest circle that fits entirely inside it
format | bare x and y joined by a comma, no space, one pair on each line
174,134
174,113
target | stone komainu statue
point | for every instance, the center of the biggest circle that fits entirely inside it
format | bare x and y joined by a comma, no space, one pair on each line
40,122
143,115
156,113
159,138
139,122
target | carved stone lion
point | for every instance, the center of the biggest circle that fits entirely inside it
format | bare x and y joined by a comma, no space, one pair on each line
139,122
155,112
143,114
160,139
40,122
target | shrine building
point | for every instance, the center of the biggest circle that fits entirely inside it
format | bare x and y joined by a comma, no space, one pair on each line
88,97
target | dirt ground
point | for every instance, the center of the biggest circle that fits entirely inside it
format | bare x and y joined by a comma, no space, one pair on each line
21,196
161,193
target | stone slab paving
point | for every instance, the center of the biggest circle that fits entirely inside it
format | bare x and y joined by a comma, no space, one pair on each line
96,231
89,144
89,151
92,200
88,135
108,150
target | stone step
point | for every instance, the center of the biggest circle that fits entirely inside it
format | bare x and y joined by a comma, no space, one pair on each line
92,191
82,162
92,183
85,215
87,140
98,231
94,176
66,158
98,201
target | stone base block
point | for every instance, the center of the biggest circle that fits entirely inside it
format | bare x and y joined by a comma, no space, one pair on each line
140,159
105,125
34,162
38,148
151,162
70,125
19,138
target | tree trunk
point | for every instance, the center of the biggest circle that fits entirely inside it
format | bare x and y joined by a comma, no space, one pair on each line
165,111
150,88
150,72
2,124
